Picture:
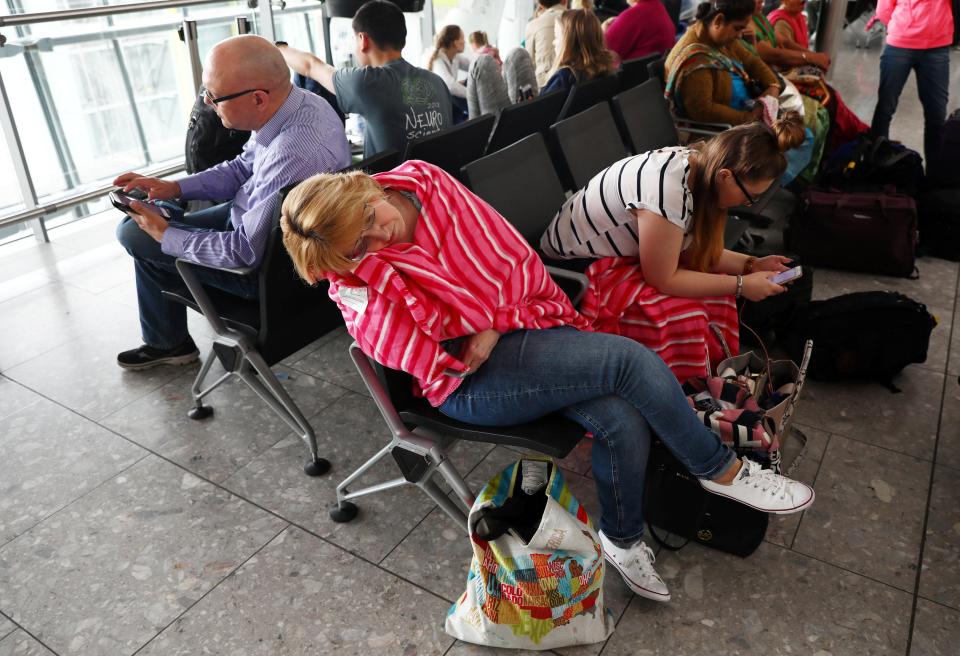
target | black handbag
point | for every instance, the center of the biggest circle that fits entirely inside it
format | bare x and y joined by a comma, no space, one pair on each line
674,501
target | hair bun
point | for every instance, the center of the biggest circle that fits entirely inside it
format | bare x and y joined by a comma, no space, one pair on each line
703,10
789,130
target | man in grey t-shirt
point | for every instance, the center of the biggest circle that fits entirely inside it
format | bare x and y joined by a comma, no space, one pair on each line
398,101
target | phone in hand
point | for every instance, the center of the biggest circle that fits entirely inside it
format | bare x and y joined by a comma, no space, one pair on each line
122,202
787,276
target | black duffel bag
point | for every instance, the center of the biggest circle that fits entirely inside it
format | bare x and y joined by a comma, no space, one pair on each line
872,232
774,315
938,213
865,335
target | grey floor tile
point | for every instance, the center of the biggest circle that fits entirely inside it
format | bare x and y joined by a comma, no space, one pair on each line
783,528
109,572
331,362
776,602
869,412
936,630
20,258
52,456
939,346
96,270
23,284
300,595
948,445
868,514
19,643
935,287
467,649
83,375
953,364
940,579
349,432
241,428
6,626
14,397
38,321
314,345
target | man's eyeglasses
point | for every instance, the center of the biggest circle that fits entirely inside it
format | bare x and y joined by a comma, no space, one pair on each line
231,96
361,247
750,199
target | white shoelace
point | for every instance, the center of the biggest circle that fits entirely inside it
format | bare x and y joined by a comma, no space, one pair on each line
643,556
765,479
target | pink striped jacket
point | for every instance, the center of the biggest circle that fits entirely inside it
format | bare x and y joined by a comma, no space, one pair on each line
466,271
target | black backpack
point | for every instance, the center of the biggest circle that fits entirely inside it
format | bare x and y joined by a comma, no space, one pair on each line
208,143
866,335
774,315
872,163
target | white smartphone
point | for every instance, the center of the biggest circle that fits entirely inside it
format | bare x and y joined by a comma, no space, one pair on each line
787,276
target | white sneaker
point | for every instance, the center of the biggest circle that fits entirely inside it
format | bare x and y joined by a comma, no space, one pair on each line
764,490
635,565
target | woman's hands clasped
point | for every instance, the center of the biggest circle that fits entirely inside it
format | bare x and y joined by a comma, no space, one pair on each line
477,348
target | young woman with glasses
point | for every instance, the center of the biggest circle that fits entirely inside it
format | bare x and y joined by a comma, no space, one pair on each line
654,223
433,282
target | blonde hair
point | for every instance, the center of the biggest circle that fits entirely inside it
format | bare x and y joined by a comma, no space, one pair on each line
322,218
583,49
478,38
754,152
445,38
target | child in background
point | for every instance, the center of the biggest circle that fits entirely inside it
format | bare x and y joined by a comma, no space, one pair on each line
481,46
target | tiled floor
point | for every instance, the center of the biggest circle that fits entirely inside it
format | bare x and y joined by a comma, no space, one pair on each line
127,528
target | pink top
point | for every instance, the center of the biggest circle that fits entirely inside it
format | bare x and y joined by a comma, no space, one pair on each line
466,271
642,29
493,52
797,23
917,24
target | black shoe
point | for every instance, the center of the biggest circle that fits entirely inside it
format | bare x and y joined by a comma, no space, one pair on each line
146,357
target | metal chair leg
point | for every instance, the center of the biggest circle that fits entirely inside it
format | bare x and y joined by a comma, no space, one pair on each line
200,411
271,391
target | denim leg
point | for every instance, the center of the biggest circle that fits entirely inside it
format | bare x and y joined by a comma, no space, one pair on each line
163,324
933,87
895,65
621,446
533,373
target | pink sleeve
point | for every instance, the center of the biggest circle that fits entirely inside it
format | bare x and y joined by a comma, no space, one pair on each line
885,10
618,35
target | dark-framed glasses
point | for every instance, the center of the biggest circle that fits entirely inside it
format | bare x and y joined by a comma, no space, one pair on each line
231,96
750,199
360,249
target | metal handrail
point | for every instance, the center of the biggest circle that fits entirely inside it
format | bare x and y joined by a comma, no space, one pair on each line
99,12
85,197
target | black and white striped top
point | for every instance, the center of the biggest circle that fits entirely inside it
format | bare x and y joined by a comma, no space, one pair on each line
597,222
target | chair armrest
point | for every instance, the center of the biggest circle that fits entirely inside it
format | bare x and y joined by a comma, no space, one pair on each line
580,282
186,270
240,271
701,127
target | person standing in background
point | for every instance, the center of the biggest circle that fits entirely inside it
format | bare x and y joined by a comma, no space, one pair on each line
919,34
539,35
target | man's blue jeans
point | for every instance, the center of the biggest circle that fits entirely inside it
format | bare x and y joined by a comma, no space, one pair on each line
163,324
932,68
615,388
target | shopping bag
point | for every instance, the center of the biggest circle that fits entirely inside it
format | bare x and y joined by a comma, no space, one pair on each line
536,579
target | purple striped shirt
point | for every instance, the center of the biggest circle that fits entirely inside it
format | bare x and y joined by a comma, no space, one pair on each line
303,138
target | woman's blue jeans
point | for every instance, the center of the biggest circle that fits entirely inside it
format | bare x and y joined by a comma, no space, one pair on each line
932,68
615,388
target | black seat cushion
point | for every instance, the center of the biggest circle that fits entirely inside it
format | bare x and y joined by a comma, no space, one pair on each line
237,312
553,435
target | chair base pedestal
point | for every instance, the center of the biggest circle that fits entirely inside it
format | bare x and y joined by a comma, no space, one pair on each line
317,467
343,512
200,412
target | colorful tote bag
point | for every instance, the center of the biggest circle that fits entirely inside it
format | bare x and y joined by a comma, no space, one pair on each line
539,583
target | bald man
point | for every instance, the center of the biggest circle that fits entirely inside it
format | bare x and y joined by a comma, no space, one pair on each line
295,135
